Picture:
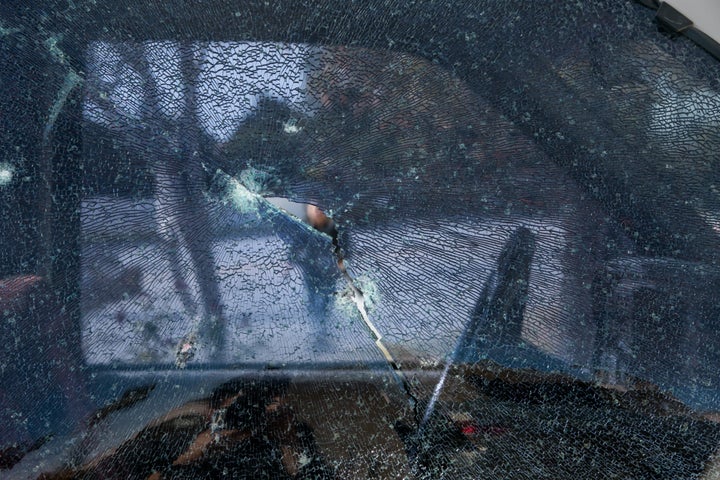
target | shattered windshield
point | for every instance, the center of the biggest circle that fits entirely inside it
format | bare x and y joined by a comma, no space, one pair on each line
476,239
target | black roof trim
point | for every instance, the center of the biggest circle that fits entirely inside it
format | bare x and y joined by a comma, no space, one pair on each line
674,21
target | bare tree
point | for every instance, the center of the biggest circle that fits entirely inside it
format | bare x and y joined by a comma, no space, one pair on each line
173,145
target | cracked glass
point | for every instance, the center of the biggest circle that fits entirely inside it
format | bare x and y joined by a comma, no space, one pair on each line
344,240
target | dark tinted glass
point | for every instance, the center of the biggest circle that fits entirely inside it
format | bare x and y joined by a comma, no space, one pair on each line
447,240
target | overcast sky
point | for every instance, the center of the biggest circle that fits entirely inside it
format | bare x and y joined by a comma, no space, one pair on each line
233,77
